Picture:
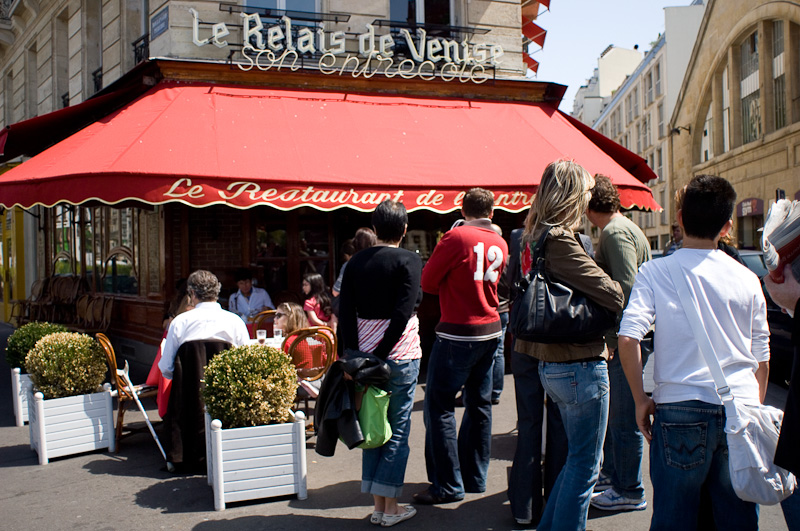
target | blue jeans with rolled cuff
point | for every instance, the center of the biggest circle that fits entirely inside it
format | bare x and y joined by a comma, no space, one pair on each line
581,391
458,462
383,469
689,449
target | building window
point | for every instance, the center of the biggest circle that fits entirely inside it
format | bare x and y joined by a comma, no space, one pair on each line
660,120
663,200
307,6
657,74
778,74
629,109
706,145
726,112
93,47
427,11
31,83
636,102
648,87
638,138
659,169
646,131
751,106
61,58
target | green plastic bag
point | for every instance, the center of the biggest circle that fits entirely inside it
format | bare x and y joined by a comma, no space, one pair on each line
373,417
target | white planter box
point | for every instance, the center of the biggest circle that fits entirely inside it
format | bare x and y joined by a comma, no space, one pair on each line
257,462
19,391
70,425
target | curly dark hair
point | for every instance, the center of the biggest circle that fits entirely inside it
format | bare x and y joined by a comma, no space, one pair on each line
204,285
605,197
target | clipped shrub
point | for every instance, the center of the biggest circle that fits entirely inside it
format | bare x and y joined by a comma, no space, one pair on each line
251,385
25,337
66,364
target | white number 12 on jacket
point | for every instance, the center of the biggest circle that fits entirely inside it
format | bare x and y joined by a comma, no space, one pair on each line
495,256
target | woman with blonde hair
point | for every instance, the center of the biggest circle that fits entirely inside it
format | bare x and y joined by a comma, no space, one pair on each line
574,375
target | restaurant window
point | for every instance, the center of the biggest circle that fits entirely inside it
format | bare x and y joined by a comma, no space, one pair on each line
64,225
778,74
751,106
115,249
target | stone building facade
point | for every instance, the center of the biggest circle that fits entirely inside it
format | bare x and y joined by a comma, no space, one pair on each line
738,108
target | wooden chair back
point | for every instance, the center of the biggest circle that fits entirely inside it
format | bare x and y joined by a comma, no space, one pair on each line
312,351
111,359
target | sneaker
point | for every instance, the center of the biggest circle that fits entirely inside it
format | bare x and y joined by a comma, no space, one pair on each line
376,518
609,500
603,483
393,519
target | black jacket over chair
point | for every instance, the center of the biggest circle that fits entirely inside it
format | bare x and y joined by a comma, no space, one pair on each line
183,429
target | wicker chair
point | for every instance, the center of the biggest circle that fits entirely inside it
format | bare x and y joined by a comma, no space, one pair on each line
312,351
124,394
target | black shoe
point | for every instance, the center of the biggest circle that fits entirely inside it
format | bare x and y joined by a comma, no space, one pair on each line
459,401
495,401
426,497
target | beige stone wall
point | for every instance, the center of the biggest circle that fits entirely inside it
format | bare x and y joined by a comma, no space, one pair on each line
63,41
757,168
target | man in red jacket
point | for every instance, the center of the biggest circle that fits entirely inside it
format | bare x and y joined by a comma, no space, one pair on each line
463,271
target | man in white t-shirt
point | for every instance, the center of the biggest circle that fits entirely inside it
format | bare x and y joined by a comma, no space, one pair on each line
206,321
688,447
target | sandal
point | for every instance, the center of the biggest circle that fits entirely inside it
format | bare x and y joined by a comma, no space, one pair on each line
392,519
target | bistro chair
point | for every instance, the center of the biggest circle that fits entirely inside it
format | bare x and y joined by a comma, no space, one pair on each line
122,391
312,351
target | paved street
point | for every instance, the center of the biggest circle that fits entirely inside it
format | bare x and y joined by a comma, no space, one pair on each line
128,490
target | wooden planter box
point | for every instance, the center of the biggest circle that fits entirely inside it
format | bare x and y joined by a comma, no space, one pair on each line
257,462
70,425
20,382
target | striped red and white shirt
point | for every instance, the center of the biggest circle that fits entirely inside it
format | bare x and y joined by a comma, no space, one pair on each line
371,331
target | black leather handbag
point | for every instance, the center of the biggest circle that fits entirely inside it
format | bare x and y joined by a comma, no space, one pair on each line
546,311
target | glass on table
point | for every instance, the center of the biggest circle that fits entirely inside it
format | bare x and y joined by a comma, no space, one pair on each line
261,336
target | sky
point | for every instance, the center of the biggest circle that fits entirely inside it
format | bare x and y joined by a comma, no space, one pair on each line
579,30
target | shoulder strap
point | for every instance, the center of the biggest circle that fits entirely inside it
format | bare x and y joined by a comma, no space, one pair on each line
700,334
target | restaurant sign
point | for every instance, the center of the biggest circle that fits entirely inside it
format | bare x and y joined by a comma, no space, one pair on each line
246,194
282,45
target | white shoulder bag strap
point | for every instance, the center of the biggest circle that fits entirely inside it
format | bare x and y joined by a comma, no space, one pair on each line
703,341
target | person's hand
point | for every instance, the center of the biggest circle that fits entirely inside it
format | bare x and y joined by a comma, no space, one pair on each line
644,411
785,295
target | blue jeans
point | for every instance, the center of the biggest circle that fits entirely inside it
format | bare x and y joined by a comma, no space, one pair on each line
499,366
581,391
525,478
456,464
791,510
688,450
624,446
383,469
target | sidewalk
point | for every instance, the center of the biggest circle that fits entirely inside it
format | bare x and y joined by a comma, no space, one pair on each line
100,490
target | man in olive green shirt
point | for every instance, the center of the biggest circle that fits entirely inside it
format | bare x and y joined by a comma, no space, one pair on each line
623,247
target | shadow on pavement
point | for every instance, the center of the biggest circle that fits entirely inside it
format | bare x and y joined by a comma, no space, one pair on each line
280,522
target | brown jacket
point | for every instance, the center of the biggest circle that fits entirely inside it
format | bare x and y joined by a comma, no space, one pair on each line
567,262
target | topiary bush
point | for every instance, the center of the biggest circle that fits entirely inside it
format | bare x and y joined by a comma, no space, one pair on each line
66,364
25,337
251,385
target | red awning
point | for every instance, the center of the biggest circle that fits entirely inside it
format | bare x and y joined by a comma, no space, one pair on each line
203,144
530,62
32,136
533,31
